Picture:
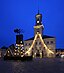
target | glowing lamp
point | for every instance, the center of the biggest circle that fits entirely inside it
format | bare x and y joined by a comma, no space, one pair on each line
37,21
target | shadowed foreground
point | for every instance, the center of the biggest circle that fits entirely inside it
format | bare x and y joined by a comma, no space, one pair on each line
35,66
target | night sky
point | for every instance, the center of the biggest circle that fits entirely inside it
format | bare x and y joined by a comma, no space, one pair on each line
21,14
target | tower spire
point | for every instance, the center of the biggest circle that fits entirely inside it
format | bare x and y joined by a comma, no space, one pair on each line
38,11
38,7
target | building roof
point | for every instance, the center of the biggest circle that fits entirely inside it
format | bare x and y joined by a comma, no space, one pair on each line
43,37
59,49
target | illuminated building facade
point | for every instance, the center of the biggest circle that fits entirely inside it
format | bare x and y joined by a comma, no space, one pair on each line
40,45
60,53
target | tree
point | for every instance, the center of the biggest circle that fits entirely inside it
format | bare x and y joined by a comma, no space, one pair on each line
4,47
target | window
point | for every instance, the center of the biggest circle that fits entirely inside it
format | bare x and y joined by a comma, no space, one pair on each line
47,42
50,55
37,30
44,48
26,49
39,43
29,44
32,48
40,48
51,42
35,48
36,43
17,53
26,44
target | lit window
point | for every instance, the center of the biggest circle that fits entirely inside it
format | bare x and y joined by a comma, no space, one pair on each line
16,47
8,51
20,41
35,53
21,52
21,55
21,45
15,50
17,53
18,50
14,53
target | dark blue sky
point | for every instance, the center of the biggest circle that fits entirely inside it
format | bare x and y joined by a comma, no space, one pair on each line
21,14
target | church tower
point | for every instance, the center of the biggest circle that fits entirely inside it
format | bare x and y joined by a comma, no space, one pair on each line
40,45
39,26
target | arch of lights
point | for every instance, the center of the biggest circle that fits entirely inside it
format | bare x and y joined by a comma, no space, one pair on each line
48,51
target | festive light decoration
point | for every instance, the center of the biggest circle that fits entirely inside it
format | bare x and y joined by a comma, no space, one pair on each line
39,26
48,51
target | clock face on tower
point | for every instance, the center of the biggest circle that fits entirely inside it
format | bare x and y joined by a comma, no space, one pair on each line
37,21
38,18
